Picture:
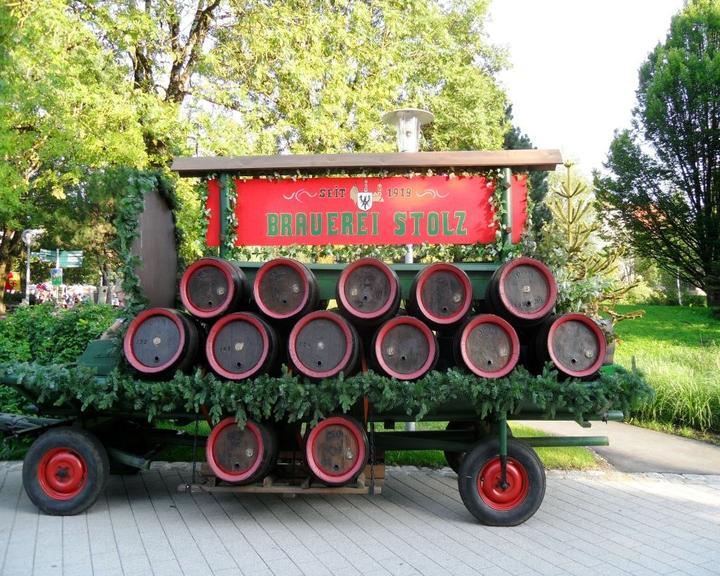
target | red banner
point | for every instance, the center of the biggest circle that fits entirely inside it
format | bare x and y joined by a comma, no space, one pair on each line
392,210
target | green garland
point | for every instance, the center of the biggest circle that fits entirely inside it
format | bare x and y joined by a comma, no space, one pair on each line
292,398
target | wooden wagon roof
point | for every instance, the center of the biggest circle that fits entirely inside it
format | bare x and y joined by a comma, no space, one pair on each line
313,163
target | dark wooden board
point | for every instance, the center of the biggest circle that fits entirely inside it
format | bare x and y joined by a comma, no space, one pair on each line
575,345
321,345
282,289
238,347
443,294
405,349
312,163
367,289
156,341
207,288
489,347
526,289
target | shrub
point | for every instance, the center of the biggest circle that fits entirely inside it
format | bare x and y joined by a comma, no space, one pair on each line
47,335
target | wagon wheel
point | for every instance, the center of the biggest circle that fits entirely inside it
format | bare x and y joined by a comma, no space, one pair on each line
65,470
479,482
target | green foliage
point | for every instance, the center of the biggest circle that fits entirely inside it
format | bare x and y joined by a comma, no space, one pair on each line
572,245
47,335
293,399
679,351
63,112
664,179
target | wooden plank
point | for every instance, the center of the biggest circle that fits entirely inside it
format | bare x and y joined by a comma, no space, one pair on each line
312,163
278,489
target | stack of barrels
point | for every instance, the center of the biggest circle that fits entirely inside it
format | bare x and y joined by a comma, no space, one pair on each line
240,331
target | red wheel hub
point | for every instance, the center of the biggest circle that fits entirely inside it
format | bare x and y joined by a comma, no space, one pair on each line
62,473
490,489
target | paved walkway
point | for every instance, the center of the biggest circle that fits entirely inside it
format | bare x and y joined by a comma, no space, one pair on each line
591,523
635,449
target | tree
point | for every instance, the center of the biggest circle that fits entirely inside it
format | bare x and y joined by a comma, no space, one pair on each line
664,180
585,265
62,112
306,75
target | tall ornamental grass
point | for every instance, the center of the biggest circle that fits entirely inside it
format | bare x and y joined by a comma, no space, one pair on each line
678,349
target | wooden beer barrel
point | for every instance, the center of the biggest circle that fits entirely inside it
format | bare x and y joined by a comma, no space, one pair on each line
211,287
336,450
241,345
441,295
523,291
160,341
573,343
241,455
368,292
285,289
404,348
323,344
488,346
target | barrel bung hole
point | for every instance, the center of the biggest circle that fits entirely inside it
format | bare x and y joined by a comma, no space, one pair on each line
157,359
319,362
444,308
238,364
573,360
489,362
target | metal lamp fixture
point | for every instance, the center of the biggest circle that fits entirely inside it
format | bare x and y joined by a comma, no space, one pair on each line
408,123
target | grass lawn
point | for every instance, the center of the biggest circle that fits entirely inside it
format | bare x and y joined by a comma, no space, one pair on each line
678,349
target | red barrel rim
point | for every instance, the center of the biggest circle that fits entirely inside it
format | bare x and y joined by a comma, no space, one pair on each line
221,265
62,473
295,265
217,468
547,274
488,484
133,328
507,327
432,346
386,270
327,475
594,328
212,336
292,342
464,280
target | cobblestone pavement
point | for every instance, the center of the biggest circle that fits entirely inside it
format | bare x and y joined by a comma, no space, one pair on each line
589,523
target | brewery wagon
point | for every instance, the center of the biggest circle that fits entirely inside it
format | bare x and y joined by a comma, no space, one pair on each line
306,373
